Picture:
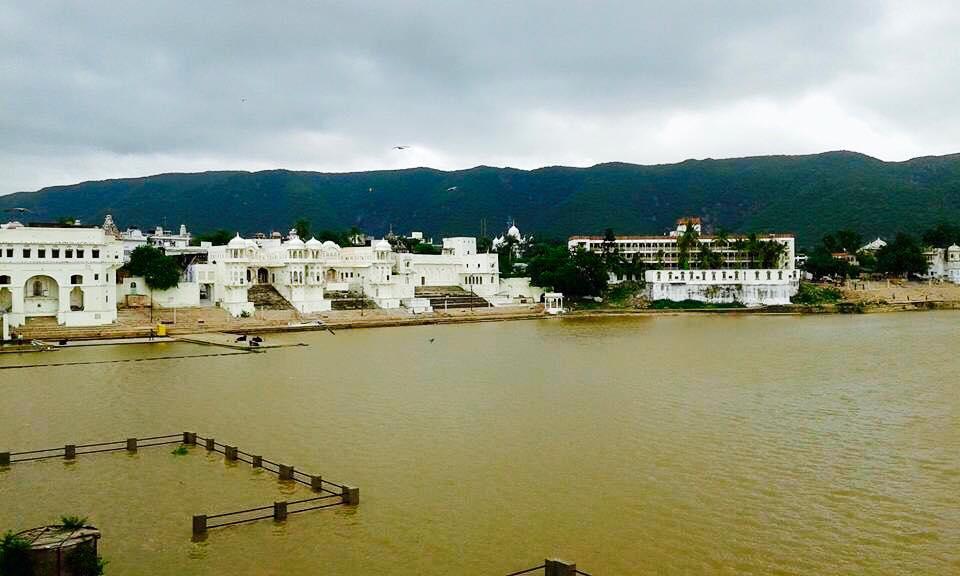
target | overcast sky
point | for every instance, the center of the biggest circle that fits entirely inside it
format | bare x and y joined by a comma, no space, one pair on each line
92,90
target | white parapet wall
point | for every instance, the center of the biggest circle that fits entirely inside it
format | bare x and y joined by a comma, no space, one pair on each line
751,287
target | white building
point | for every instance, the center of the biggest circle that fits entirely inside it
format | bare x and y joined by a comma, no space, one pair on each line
133,238
302,272
733,281
749,287
944,263
62,272
663,252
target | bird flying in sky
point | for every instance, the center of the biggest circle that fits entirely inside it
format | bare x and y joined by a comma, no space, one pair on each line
451,189
18,210
400,147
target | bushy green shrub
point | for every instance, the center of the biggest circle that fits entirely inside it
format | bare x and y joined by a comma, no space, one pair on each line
814,295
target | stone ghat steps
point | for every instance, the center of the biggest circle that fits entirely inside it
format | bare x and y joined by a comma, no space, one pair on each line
341,300
266,297
447,297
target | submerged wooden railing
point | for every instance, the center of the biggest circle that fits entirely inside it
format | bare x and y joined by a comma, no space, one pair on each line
553,567
331,493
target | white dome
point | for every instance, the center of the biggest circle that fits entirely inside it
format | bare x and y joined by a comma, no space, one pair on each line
953,248
513,231
314,243
237,242
294,243
382,246
330,244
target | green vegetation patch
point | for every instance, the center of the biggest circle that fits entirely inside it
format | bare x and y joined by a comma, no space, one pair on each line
815,295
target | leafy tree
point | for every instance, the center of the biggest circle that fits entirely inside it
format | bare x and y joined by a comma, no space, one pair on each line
424,248
709,259
15,556
158,270
302,226
579,273
218,237
843,241
942,235
821,263
687,242
484,245
902,257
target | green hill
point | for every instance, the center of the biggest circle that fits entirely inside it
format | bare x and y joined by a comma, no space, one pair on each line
808,195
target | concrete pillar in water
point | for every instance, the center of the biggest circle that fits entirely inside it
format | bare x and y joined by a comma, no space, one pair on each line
316,482
131,444
230,452
211,444
286,472
555,567
199,524
190,438
4,458
257,461
70,451
350,495
280,511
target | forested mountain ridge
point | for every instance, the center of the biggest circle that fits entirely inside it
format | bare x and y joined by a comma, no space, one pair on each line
809,195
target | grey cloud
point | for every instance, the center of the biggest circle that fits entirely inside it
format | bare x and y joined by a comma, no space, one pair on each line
333,85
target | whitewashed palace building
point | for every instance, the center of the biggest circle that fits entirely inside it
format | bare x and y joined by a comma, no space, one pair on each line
735,281
70,273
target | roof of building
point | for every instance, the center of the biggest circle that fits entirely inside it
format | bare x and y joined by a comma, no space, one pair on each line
237,242
314,243
382,246
674,238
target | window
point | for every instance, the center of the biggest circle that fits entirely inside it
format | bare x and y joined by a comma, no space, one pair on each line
76,279
69,253
96,276
95,253
79,253
41,253
4,279
26,252
9,252
37,288
55,253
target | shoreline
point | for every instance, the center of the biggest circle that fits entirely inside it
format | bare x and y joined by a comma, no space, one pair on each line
140,334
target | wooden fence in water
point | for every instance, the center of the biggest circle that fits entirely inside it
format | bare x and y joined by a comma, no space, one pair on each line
330,493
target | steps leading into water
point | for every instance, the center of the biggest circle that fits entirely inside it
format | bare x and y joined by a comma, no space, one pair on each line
446,297
266,297
341,300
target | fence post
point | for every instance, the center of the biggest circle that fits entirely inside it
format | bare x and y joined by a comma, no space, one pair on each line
257,461
230,452
316,482
350,495
555,567
211,445
70,451
190,438
199,524
280,511
286,472
4,458
131,444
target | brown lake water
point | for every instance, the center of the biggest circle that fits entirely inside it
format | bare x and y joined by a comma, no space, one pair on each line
669,445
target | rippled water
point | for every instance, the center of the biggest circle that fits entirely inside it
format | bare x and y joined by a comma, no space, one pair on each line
669,445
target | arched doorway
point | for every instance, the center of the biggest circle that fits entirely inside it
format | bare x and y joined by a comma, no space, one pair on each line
41,296
262,276
6,299
76,299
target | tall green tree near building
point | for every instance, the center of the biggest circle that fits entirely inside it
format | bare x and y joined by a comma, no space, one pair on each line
302,226
160,271
902,257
